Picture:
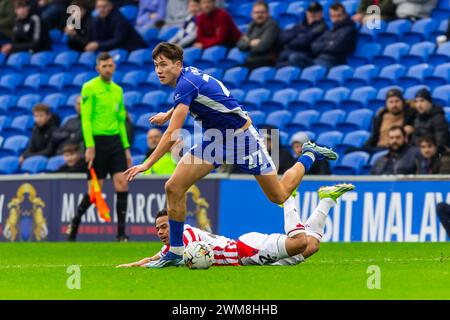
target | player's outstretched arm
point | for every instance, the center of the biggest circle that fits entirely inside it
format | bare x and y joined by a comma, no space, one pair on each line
140,263
161,118
164,145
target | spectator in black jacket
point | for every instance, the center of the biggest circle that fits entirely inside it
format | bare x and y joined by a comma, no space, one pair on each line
29,34
261,39
299,38
69,132
53,12
73,160
45,123
7,19
319,167
78,38
334,45
430,119
401,156
396,113
111,30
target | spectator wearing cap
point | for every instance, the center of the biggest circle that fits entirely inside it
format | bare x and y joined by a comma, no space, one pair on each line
430,119
319,167
386,10
334,45
298,39
414,9
215,27
396,113
261,39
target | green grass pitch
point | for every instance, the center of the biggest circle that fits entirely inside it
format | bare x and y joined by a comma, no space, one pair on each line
338,271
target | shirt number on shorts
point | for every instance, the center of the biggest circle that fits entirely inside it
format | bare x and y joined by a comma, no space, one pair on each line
253,159
224,89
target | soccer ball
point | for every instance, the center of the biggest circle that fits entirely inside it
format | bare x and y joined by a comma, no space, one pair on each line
198,255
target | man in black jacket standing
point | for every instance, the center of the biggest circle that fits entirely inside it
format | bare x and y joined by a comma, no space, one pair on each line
111,30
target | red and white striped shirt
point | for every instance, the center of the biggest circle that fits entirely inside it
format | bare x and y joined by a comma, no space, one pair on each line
225,250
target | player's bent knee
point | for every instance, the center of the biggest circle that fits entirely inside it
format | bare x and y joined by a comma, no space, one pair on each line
297,244
277,198
172,189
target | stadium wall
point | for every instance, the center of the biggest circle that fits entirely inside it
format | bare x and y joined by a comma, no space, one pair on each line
39,208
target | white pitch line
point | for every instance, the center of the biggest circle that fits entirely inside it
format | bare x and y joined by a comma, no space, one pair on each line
24,266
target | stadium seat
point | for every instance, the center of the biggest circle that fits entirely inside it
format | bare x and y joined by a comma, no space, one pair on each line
388,75
306,99
20,125
210,57
142,124
391,54
32,83
15,62
369,33
68,108
56,82
366,168
442,54
131,98
258,77
233,77
447,113
54,163
5,121
190,55
38,62
55,100
440,76
351,163
167,32
420,31
309,77
6,102
216,73
410,93
332,98
67,119
151,83
355,139
138,159
359,98
254,98
364,53
14,146
129,12
441,95
86,62
119,56
9,165
442,11
277,8
328,121
62,62
139,145
78,81
280,100
418,53
282,78
132,79
362,76
415,75
34,164
9,82
302,121
150,35
257,117
356,120
330,138
235,57
239,95
150,102
394,31
350,6
25,104
136,60
278,119
335,77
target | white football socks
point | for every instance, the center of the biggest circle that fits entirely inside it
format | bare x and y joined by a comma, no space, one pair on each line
316,222
292,222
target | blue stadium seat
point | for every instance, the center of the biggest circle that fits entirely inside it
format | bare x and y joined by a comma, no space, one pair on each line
388,75
78,81
442,54
56,82
254,98
355,139
280,100
150,35
257,117
278,119
330,138
129,12
350,6
5,122
2,58
119,56
440,76
366,168
34,164
415,75
151,83
277,8
283,78
442,11
306,99
32,83
410,93
15,62
356,120
150,102
25,104
38,62
18,126
62,62
441,95
190,55
359,98
302,121
6,102
258,77
335,77
137,59
442,29
351,163
142,124
235,57
328,121
167,32
379,101
420,31
86,62
233,77
138,159
394,31
332,98
68,108
369,33
54,163
139,144
447,113
210,57
309,77
244,12
14,146
67,118
391,54
239,95
132,79
9,82
214,72
131,98
418,53
9,165
362,76
55,100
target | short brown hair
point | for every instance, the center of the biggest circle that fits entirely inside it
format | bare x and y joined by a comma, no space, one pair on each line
427,139
102,56
337,6
71,148
393,128
171,51
40,107
21,3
